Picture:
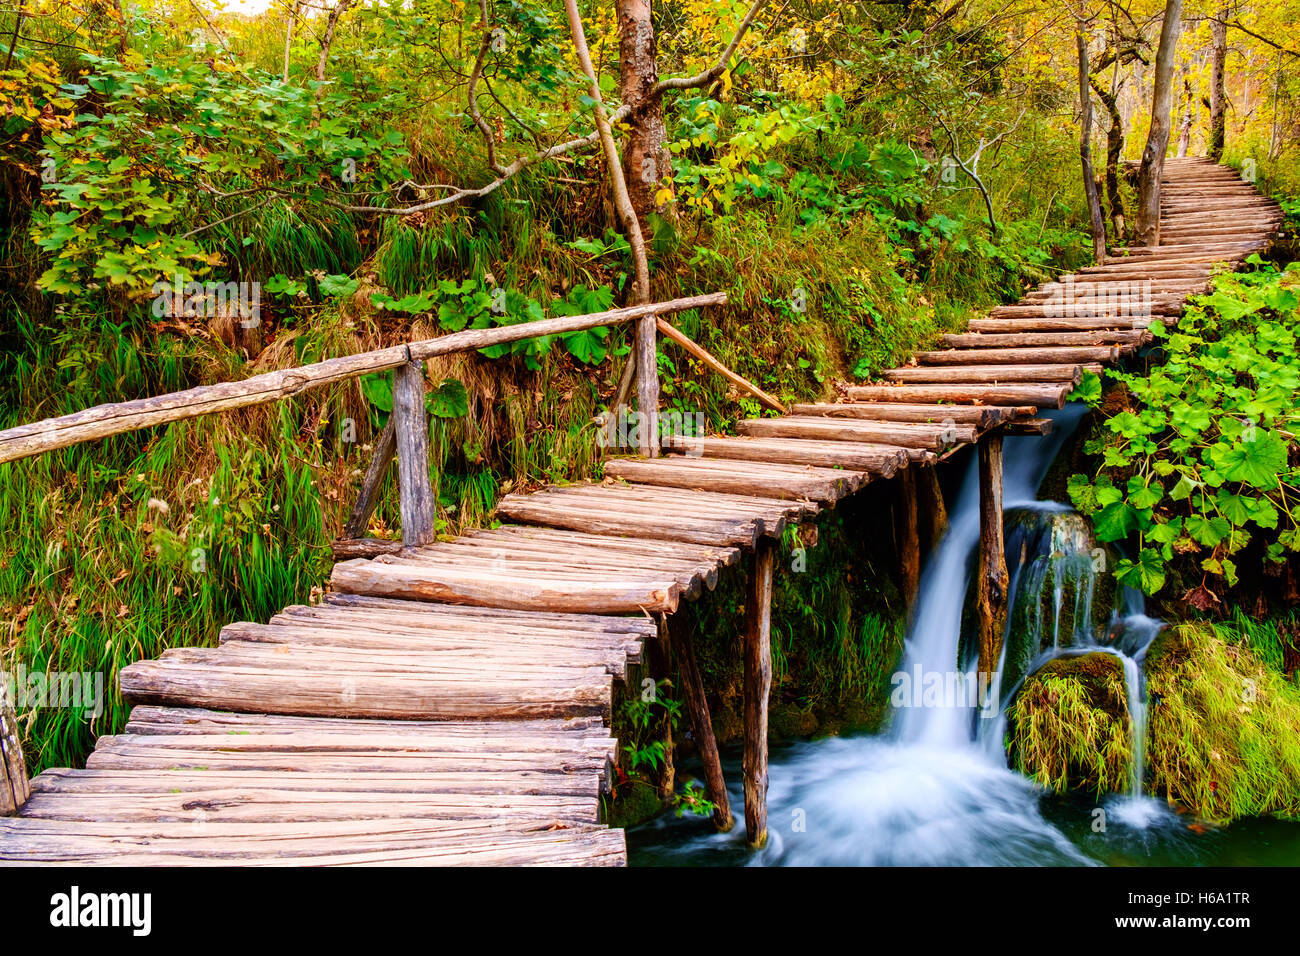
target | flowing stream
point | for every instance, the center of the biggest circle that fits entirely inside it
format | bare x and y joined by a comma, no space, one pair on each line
933,788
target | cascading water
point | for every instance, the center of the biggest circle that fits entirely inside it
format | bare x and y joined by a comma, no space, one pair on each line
934,788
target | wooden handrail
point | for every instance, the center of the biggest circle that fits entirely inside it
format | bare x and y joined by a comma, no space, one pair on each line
707,358
102,421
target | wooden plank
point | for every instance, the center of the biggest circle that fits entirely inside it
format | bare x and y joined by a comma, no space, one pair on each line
518,592
704,474
344,549
1029,426
612,521
1050,324
801,459
979,416
326,694
903,434
1043,396
985,374
1034,356
986,340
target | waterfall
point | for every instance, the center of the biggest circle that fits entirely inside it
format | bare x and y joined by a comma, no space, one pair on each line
934,788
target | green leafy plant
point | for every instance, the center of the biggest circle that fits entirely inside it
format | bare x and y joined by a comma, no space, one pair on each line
1200,465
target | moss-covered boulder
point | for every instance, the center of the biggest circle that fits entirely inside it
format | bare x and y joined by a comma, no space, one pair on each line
1069,727
1224,728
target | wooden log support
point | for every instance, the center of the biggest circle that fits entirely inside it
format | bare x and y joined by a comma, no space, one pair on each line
14,786
906,537
934,512
758,686
697,709
381,458
411,434
658,660
991,599
647,385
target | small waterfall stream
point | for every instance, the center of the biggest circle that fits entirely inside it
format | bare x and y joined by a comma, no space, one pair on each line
934,788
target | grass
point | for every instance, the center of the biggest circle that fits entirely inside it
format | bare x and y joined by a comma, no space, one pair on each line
1069,727
1224,725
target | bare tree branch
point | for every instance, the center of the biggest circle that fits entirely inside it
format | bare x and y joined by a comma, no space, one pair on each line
485,43
718,68
1237,25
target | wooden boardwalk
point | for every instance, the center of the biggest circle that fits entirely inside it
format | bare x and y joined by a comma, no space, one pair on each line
448,704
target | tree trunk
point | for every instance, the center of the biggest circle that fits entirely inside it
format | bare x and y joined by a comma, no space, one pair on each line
1153,156
336,12
1085,154
1185,128
1218,99
1114,150
934,512
646,162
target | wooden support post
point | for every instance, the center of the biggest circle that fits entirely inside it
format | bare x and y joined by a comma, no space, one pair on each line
991,602
659,662
381,458
411,433
758,685
14,787
697,709
934,512
647,386
906,539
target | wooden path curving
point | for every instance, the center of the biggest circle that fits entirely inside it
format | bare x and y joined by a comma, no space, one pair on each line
448,704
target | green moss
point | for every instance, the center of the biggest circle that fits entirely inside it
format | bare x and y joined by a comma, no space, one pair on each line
1070,726
1224,727
634,801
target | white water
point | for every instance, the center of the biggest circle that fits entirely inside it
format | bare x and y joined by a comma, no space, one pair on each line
935,789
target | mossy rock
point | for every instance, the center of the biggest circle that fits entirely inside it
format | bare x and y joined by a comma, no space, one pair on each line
634,802
1224,729
728,724
789,721
1069,726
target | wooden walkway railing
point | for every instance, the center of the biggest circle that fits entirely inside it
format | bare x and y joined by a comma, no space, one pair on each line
446,702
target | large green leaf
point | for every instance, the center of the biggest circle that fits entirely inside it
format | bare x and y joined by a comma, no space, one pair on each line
448,400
